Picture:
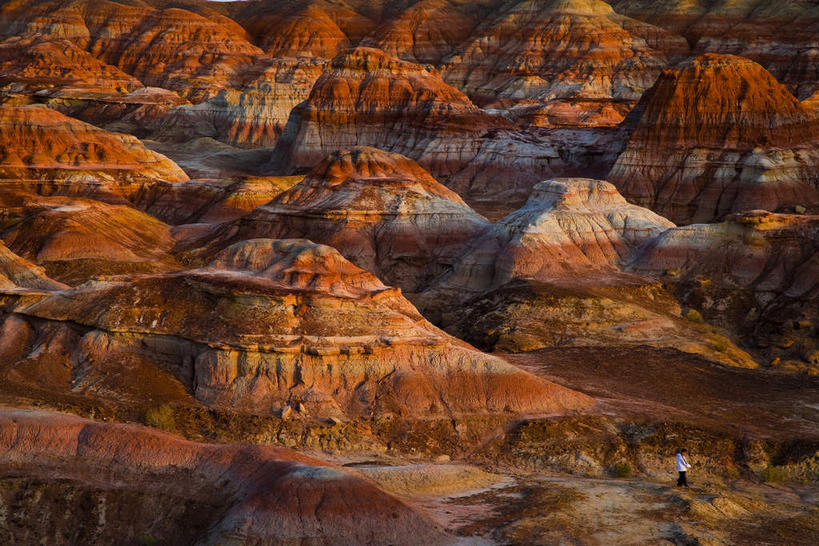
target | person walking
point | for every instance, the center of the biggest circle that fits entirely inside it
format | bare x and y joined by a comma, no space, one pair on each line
682,468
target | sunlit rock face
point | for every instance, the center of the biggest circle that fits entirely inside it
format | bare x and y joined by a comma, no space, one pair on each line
381,210
76,239
18,273
718,134
778,34
538,51
46,152
755,273
274,323
369,98
557,272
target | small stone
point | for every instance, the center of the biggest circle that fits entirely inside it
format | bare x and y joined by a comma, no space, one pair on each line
287,411
799,209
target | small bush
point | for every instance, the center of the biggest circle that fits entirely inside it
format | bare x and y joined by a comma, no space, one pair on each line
622,470
161,417
148,540
694,316
720,343
773,474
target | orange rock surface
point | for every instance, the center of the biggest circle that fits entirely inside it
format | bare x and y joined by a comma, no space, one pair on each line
47,152
270,324
719,134
381,210
76,239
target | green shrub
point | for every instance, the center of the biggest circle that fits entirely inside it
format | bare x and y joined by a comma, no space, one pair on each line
773,474
720,343
622,470
161,417
694,316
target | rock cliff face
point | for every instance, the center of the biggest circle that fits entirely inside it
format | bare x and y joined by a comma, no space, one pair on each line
381,210
368,98
43,150
755,273
553,273
145,483
719,134
569,227
252,115
778,34
542,50
271,324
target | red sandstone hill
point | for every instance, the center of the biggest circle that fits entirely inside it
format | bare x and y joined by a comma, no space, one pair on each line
44,150
542,50
76,239
267,325
369,98
152,484
381,210
311,28
174,48
778,34
719,134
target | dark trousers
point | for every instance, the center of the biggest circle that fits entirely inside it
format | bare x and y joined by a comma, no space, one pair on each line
681,480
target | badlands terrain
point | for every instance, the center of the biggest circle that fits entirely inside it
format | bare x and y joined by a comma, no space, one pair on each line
427,272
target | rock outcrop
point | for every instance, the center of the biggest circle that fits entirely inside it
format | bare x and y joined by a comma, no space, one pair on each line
569,227
369,98
270,325
77,239
142,483
47,152
718,134
778,34
19,273
381,210
252,115
554,273
756,274
540,51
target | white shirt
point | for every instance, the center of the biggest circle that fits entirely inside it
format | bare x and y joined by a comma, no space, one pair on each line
682,464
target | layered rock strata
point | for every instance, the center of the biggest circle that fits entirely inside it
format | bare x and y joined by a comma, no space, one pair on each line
77,239
543,50
756,274
718,134
46,152
381,210
270,325
554,273
138,483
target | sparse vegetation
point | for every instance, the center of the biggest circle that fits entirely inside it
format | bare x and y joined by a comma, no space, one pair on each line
720,343
622,470
773,474
161,417
694,316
